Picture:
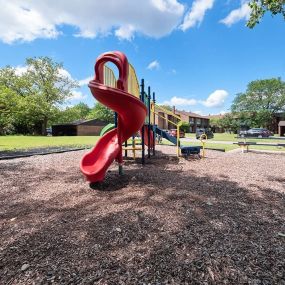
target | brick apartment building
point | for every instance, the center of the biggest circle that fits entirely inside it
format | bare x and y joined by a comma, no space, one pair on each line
195,120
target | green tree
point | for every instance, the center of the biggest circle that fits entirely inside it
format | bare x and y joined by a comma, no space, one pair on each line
167,107
262,99
8,107
215,123
51,87
40,90
18,88
101,112
230,123
185,127
260,7
70,114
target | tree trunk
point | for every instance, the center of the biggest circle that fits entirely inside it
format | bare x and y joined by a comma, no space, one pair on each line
44,126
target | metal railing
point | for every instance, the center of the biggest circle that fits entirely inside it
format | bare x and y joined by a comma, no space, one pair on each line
178,123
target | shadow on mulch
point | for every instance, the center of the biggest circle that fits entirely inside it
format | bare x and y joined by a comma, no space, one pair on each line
114,181
165,226
278,179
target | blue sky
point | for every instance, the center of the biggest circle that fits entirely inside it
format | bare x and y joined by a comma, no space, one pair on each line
195,54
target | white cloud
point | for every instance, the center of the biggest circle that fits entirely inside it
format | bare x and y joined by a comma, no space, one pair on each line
196,14
20,70
178,101
28,20
85,81
216,99
199,112
153,65
63,72
125,32
237,15
77,95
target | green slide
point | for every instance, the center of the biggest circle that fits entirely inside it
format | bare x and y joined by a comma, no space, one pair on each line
106,129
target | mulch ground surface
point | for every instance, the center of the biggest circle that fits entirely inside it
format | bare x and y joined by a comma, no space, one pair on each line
218,220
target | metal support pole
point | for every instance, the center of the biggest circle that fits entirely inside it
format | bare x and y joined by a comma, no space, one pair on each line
142,131
120,154
120,169
178,140
116,119
148,129
126,145
154,130
134,145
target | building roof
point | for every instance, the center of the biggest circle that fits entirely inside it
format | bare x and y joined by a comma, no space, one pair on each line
190,114
217,116
83,122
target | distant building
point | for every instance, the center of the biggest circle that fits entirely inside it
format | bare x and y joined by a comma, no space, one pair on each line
195,120
279,124
281,128
79,128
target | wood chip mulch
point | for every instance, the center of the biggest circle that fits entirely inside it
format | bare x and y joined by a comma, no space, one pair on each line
219,220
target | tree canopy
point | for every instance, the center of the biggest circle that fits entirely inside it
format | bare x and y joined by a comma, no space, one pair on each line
185,126
80,111
260,7
36,94
102,113
228,122
262,99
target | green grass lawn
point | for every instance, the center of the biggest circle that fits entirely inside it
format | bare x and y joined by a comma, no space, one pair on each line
226,147
217,137
26,142
233,138
276,148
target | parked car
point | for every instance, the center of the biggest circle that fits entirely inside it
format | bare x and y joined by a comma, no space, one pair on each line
242,133
257,133
207,132
173,132
49,131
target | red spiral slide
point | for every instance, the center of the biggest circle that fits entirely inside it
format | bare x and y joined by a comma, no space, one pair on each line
131,116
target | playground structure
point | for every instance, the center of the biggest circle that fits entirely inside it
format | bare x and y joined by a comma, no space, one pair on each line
135,111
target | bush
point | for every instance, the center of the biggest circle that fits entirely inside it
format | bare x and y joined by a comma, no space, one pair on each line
185,127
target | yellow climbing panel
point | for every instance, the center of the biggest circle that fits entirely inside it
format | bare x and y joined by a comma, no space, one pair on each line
109,77
133,84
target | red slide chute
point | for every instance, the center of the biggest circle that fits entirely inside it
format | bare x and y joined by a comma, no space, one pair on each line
131,116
